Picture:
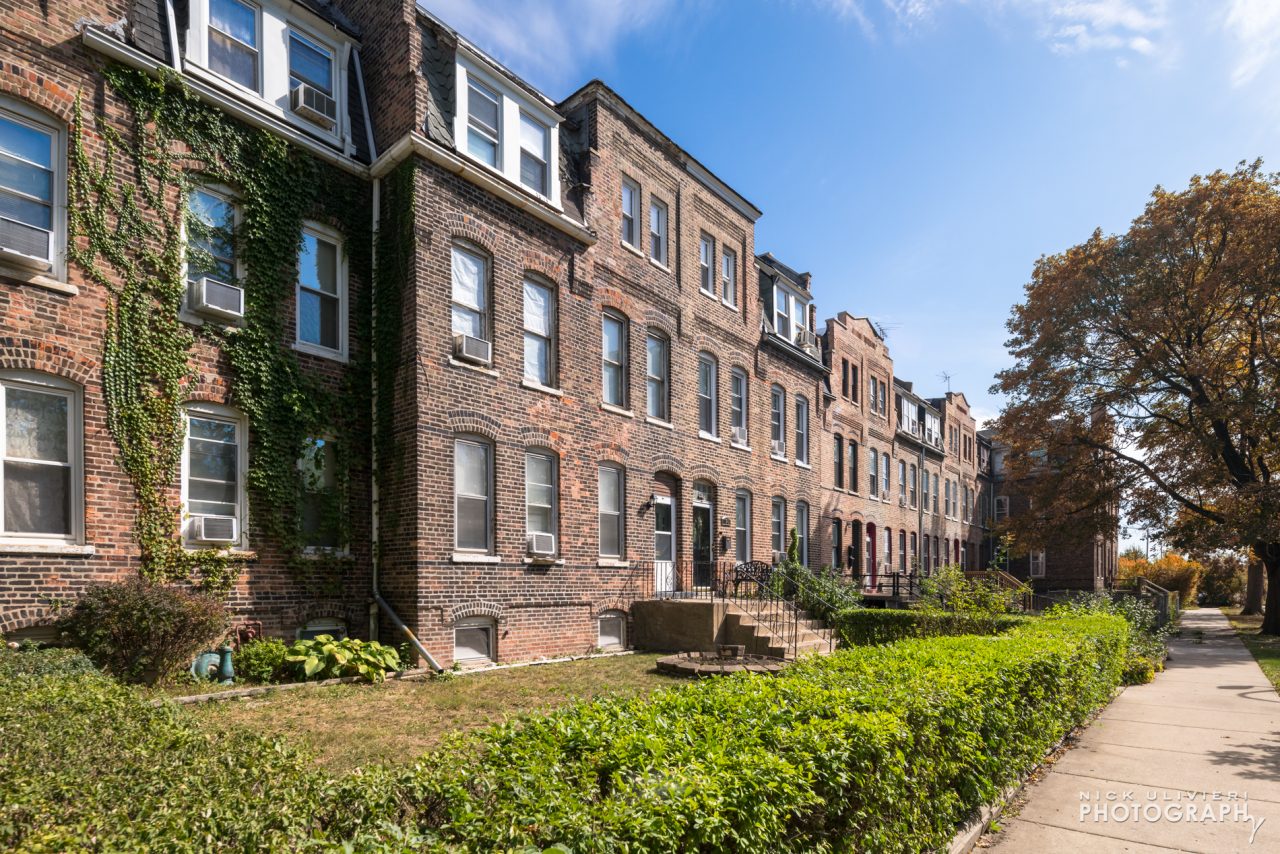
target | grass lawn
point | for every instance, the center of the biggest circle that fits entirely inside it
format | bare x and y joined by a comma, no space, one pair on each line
347,726
1265,648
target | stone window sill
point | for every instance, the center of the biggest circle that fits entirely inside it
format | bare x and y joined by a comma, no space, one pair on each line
803,465
66,549
655,262
634,250
478,557
479,369
658,422
539,561
612,563
739,447
545,389
710,438
39,280
617,410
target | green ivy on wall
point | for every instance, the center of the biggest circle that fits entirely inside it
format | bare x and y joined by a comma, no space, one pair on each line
127,235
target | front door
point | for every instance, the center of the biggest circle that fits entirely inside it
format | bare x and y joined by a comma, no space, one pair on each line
702,538
664,545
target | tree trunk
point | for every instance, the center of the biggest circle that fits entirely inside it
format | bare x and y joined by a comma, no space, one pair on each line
1271,617
1253,588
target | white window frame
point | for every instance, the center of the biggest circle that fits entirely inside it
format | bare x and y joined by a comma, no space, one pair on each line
873,472
259,66
802,429
631,214
661,395
551,338
794,310
658,231
710,399
914,486
778,422
802,532
729,277
1036,564
742,525
488,94
489,625
612,614
619,512
778,524
486,290
318,44
21,113
512,100
74,394
544,157
342,273
224,193
935,493
706,264
217,412
625,345
554,465
739,403
902,481
490,481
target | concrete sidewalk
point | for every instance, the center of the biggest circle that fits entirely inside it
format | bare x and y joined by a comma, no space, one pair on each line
1206,729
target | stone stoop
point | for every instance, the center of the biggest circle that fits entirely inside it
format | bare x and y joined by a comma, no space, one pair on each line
814,637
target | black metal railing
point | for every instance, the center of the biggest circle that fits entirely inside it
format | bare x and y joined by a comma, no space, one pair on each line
894,585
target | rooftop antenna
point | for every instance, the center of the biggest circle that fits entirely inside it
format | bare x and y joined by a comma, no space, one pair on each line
946,378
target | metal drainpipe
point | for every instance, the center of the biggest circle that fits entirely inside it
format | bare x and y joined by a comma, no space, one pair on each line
378,601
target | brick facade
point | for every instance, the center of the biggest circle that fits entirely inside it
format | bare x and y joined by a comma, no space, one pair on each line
405,80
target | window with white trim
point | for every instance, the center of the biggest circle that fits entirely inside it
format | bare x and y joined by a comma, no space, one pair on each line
475,640
233,49
535,136
540,493
484,122
473,494
742,525
853,465
729,276
43,469
902,481
539,333
32,188
738,403
873,472
310,63
790,313
914,478
802,429
778,526
706,265
210,224
1037,564
611,630
657,370
802,532
630,213
707,396
884,476
469,306
935,492
213,482
613,359
778,421
322,294
611,492
658,231
318,522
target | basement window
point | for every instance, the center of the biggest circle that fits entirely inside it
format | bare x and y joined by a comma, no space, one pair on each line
474,640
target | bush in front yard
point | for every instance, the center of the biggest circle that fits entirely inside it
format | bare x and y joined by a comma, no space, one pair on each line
143,632
866,626
262,660
43,662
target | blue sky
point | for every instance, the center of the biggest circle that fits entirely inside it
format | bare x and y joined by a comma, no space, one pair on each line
917,156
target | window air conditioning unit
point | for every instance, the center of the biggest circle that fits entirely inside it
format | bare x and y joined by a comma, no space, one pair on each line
902,501
314,106
884,495
779,557
779,448
475,350
24,246
212,297
806,341
740,435
542,545
214,529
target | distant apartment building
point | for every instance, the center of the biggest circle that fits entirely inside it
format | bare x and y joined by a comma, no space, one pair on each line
560,375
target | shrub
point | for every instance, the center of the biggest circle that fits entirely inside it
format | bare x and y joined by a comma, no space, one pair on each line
43,662
1223,582
1147,641
823,592
866,626
139,631
326,658
262,660
1171,571
949,589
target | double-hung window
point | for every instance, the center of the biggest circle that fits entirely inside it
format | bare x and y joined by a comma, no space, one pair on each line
473,494
935,493
707,397
210,237
310,63
782,313
729,276
658,231
738,406
630,212
539,333
838,461
873,472
837,546
915,476
802,429
470,303
29,162
802,532
884,476
1002,508
656,369
778,526
853,465
613,359
214,471
612,489
742,526
778,421
233,41
41,467
540,492
322,294
534,138
1037,564
318,520
902,481
484,119
706,265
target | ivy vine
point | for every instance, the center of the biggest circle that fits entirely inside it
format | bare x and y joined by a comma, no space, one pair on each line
128,237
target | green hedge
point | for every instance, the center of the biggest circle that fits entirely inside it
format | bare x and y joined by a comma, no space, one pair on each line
864,626
51,661
880,748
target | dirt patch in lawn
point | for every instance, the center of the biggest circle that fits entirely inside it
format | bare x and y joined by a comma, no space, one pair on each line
348,726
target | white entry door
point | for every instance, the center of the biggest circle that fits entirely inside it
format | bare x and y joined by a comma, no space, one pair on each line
664,544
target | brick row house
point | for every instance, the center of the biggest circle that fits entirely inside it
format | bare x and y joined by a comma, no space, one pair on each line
554,374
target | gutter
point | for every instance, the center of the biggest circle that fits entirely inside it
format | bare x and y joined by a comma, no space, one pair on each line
415,143
98,41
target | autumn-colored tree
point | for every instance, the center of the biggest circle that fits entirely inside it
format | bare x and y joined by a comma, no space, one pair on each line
1147,362
1171,571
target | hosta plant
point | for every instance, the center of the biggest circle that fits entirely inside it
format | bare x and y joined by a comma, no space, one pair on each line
326,658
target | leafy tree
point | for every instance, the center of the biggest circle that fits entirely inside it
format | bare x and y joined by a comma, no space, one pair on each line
1146,363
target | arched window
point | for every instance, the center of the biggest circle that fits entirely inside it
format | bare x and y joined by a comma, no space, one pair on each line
837,464
802,429
611,630
470,301
913,478
539,332
837,543
802,531
657,375
475,640
873,473
613,359
778,527
742,525
541,502
42,500
902,550
739,406
708,403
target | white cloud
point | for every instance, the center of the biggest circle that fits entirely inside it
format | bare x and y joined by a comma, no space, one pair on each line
548,41
1255,26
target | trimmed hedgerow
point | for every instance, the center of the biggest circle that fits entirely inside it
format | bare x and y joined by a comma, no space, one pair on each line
48,661
879,748
864,626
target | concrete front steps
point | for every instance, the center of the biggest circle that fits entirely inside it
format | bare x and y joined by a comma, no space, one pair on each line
702,625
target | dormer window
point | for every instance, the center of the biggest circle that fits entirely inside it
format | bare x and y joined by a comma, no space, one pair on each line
310,63
506,128
790,313
233,41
